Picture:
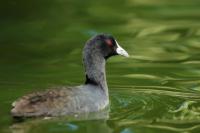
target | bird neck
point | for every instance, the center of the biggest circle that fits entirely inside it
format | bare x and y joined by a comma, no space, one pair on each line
95,71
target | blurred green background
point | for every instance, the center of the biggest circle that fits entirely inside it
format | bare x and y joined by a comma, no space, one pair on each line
156,90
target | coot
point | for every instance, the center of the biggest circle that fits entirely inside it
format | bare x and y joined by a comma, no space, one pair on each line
89,97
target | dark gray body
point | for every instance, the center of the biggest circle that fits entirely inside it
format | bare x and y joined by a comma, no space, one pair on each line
61,101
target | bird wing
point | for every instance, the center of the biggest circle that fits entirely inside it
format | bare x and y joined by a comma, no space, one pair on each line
41,103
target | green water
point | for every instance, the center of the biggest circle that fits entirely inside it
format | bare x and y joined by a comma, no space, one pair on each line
156,90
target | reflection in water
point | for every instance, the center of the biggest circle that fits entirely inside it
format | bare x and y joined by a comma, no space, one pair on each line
156,90
148,126
71,123
62,126
172,109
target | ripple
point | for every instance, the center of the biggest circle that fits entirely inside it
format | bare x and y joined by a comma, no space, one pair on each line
142,76
149,125
195,62
144,111
154,103
162,57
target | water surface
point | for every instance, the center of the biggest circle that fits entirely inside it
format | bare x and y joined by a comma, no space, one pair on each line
156,90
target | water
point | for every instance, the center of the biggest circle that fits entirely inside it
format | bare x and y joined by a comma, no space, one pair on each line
157,89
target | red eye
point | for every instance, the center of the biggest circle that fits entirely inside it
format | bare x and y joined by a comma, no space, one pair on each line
109,42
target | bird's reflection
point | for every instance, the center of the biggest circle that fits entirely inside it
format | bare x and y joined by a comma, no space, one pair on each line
87,122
